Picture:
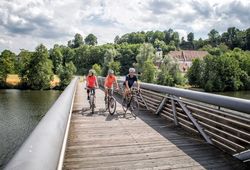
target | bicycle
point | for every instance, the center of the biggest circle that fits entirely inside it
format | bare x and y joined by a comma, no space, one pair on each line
110,102
92,99
130,102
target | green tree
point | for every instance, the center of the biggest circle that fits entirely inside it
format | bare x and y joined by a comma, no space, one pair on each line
248,39
169,73
198,43
189,44
159,44
97,68
7,65
158,35
57,58
149,37
244,64
195,73
220,73
168,35
68,54
24,60
149,73
77,41
127,56
145,64
176,39
115,66
190,37
91,39
233,38
66,74
109,61
214,37
146,53
136,38
117,39
81,58
39,71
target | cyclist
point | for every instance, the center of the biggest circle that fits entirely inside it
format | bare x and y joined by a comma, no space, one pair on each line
91,82
109,81
129,82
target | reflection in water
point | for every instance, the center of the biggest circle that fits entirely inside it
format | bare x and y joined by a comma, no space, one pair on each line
20,112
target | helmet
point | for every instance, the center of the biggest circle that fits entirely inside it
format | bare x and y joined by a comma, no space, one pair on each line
92,71
111,71
132,70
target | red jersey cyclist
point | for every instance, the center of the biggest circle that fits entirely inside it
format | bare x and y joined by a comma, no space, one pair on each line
91,82
109,81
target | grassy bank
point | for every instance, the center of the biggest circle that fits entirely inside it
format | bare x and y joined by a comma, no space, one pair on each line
13,81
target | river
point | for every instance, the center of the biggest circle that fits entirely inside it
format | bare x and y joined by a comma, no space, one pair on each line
20,112
238,94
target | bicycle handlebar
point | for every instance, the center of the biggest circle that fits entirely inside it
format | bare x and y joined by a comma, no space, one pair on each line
86,88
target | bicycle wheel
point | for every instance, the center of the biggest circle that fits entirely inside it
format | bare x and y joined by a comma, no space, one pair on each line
134,106
91,102
112,105
125,104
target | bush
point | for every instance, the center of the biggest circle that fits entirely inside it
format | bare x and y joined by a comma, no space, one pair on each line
227,72
66,74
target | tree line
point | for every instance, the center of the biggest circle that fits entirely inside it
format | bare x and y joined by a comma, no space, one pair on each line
225,71
136,49
171,40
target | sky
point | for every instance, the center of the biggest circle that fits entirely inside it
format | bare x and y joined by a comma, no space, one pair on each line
24,24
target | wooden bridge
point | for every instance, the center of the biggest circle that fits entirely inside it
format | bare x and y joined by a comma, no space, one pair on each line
102,141
175,129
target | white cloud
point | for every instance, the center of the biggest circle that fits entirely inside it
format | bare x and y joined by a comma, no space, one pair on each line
27,23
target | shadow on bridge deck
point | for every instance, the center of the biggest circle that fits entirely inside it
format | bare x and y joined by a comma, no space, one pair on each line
102,141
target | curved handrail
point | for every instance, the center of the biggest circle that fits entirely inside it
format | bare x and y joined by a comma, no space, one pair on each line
241,105
42,149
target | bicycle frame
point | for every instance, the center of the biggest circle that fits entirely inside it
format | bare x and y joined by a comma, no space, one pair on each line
92,99
110,98
128,100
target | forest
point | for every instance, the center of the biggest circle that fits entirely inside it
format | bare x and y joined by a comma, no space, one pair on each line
226,68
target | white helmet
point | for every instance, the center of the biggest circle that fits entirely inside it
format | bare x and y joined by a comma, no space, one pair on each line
92,71
111,71
131,70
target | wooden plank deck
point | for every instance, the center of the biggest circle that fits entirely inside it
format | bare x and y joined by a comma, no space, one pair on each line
102,141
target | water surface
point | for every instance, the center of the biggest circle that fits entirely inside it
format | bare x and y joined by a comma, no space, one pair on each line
20,112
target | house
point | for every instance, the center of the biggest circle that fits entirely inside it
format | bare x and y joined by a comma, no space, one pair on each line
185,57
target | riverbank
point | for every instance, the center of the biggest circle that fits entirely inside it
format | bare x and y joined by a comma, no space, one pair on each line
14,82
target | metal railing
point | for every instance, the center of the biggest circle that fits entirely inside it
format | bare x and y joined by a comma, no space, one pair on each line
44,148
220,120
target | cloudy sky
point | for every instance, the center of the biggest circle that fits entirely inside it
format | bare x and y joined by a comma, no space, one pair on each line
27,23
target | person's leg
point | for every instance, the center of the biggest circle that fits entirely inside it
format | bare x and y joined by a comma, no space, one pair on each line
106,92
93,91
87,94
125,92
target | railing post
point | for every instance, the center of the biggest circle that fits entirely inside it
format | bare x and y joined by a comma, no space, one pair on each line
161,105
174,111
194,121
143,101
245,155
